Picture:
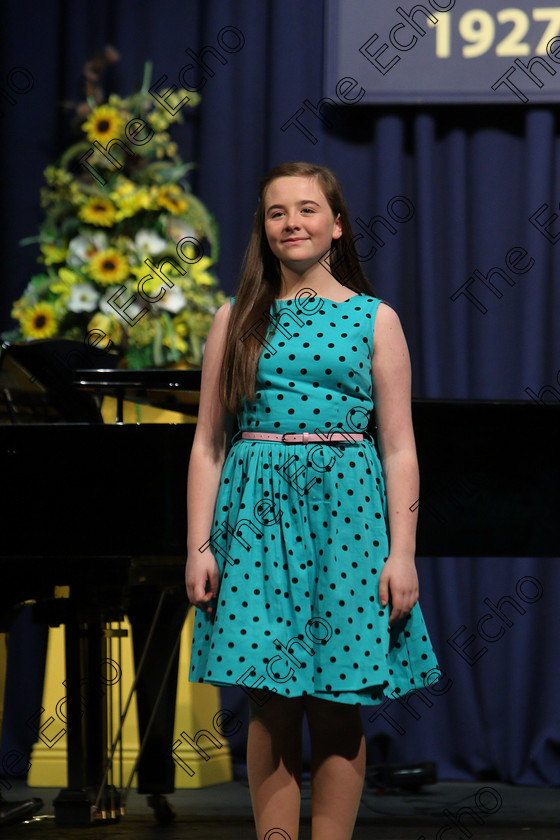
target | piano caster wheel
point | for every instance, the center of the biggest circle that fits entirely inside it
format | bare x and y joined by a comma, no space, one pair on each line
76,807
163,812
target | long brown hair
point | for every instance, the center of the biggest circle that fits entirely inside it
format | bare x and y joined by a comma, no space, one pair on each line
260,284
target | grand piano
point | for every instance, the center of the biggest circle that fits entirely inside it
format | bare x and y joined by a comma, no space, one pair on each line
101,506
93,506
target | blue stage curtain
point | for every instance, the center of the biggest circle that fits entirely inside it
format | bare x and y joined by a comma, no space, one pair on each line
474,176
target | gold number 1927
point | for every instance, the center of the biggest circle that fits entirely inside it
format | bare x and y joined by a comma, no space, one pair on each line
478,29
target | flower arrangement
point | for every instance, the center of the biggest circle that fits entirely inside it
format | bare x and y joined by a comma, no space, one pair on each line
114,211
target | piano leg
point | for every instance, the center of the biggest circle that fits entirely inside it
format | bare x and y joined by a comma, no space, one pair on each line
86,713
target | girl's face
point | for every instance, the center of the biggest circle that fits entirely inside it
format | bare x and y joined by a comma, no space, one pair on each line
298,221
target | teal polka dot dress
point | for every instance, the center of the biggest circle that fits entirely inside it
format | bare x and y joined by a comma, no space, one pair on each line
300,531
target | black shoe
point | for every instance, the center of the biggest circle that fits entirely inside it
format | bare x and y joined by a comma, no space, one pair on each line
163,812
14,812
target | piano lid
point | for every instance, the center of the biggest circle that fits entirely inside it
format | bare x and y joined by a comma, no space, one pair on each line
61,380
36,381
167,388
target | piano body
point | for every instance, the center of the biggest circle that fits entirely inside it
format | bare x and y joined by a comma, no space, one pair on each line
99,507
93,506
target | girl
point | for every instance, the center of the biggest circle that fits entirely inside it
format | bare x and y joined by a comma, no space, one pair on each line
301,540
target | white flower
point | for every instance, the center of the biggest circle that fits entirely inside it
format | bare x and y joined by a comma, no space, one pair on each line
173,300
148,242
177,229
124,302
106,307
82,248
83,298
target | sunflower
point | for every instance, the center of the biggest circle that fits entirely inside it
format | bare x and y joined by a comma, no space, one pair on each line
98,211
172,198
39,321
104,124
109,267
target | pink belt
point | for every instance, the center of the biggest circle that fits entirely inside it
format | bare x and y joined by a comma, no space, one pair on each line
303,437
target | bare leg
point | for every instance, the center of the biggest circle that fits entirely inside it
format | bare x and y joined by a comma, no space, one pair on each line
274,764
338,760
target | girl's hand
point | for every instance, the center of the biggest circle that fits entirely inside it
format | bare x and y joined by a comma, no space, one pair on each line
399,576
198,572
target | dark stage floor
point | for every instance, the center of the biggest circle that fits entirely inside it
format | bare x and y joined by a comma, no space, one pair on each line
223,812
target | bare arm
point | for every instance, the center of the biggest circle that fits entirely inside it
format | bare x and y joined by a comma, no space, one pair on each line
208,453
392,383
